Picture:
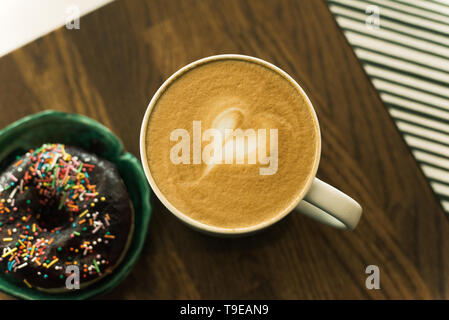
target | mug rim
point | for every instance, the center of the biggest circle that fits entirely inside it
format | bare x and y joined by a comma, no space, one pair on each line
178,213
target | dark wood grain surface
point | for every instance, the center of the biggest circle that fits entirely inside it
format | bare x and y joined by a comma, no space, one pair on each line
112,65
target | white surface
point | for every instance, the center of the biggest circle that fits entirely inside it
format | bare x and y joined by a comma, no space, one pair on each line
22,21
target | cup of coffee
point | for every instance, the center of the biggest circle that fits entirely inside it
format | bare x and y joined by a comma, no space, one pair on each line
230,144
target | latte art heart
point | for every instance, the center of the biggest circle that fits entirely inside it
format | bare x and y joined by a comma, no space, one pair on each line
226,144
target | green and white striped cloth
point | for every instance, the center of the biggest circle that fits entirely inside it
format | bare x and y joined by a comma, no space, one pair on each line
404,48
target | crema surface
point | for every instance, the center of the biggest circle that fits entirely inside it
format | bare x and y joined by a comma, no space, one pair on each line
232,94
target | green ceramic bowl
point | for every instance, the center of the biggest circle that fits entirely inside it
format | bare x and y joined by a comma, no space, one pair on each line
72,129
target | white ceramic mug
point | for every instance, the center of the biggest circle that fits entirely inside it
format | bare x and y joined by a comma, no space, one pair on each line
317,200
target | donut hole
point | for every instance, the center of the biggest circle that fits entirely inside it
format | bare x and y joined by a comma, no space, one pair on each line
50,216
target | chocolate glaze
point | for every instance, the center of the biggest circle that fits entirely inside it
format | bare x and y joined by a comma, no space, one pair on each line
117,204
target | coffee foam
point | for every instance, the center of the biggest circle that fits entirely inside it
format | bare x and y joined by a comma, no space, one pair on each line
233,94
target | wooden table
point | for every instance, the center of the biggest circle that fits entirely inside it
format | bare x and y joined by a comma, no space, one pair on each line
110,68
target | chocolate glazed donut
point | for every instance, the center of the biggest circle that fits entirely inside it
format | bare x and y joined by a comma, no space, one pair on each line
61,206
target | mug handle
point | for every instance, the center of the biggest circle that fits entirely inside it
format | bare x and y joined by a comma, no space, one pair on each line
330,206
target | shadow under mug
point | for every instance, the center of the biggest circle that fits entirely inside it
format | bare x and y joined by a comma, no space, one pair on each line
317,200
